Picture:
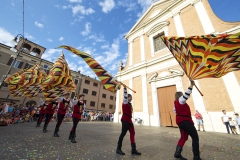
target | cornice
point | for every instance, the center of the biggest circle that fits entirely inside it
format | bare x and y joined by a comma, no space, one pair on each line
144,64
172,73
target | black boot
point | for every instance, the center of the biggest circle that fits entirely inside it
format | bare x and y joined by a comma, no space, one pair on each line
70,135
177,154
38,125
73,138
119,149
56,133
134,151
196,156
44,129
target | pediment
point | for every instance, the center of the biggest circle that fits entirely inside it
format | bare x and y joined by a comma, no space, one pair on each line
157,27
153,11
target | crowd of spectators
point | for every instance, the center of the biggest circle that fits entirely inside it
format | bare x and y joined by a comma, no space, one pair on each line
11,113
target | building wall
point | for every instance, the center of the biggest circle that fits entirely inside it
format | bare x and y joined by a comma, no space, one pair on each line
183,18
189,16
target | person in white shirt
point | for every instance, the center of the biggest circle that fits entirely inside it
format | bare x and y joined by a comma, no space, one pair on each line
225,121
5,108
237,120
232,125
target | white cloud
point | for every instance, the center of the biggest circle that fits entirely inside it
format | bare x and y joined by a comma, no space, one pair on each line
75,1
28,36
78,19
87,29
129,4
107,5
51,54
110,55
89,50
145,5
105,46
49,40
73,55
72,66
5,37
39,24
66,7
127,20
61,38
97,38
113,67
12,4
81,9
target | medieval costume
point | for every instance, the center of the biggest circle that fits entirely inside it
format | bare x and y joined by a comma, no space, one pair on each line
185,124
43,106
78,109
63,105
127,124
49,111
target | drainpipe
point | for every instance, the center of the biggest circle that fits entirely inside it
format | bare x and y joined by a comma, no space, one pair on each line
98,95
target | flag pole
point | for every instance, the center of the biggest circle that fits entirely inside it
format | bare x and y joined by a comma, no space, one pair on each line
198,89
163,38
129,88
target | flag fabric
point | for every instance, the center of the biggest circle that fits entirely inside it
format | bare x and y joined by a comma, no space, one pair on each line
16,87
59,80
26,82
107,80
32,86
206,56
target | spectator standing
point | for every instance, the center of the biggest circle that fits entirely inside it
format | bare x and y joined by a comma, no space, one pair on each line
225,121
5,108
232,125
237,119
199,120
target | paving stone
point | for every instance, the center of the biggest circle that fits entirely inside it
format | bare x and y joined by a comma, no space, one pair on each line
98,141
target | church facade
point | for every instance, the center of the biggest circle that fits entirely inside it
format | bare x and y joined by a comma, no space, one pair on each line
155,75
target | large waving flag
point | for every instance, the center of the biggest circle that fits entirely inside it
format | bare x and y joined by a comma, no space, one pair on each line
32,86
107,80
16,87
59,80
206,56
13,84
26,82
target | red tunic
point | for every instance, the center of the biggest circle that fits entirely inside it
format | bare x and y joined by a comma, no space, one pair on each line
78,110
42,108
51,108
63,106
183,112
127,112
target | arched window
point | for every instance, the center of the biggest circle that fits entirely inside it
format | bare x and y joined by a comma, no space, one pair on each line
26,47
36,50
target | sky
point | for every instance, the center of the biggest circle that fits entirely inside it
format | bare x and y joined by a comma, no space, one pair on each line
96,27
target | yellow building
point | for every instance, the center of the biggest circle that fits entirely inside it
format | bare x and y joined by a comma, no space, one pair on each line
155,75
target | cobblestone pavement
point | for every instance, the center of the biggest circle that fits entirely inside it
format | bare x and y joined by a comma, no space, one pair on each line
98,140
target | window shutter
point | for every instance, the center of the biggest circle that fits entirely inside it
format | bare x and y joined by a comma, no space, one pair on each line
26,65
10,61
20,65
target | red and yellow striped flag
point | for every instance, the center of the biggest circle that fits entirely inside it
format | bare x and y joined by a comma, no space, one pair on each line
206,56
107,80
